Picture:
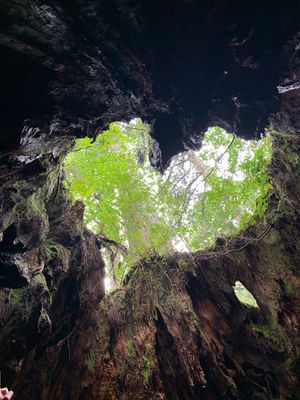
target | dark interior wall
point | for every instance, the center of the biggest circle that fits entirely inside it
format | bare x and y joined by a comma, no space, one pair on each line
68,68
184,64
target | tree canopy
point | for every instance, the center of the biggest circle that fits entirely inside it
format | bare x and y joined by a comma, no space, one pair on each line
216,191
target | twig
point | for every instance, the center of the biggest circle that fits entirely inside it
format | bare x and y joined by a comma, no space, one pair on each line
218,160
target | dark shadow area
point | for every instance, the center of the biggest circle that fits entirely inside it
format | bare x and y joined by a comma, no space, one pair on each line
8,244
173,376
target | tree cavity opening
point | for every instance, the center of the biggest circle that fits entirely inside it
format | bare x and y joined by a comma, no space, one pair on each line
243,295
137,211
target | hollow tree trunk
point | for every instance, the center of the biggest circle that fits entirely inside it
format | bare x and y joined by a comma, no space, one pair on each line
175,330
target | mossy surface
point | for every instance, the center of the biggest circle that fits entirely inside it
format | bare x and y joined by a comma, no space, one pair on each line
49,250
289,288
131,352
148,357
274,333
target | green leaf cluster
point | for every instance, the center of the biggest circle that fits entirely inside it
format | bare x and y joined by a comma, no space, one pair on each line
202,195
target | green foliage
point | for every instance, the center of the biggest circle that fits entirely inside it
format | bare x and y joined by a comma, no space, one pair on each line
235,187
202,195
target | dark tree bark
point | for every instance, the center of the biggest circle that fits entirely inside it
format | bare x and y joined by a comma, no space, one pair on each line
175,330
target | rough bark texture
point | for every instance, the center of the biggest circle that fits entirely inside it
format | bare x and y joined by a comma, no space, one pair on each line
175,330
76,66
